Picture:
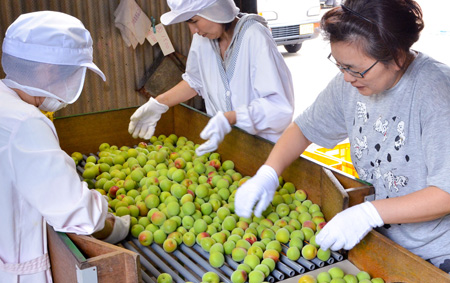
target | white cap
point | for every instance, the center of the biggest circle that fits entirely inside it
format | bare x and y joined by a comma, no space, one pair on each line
50,37
218,11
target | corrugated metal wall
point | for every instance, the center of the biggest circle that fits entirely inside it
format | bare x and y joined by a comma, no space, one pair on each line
123,66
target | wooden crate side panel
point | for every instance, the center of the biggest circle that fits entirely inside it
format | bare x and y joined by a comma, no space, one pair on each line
333,197
85,133
63,262
356,195
117,267
355,188
388,260
307,176
92,247
187,122
348,181
112,262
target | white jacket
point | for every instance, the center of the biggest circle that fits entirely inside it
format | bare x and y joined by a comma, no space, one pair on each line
252,80
39,184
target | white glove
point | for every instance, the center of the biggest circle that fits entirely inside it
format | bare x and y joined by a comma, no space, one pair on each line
260,188
143,121
348,227
120,230
215,131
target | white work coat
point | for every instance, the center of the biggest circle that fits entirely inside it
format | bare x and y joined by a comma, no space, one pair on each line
39,184
253,79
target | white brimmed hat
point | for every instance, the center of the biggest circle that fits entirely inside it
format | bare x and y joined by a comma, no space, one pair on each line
50,37
218,11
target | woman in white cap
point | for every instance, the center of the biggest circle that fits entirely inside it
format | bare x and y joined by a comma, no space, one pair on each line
45,57
235,66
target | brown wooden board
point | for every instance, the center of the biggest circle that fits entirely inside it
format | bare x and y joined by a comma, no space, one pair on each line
383,258
356,193
62,259
114,264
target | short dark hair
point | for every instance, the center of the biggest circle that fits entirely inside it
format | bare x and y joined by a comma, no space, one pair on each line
384,29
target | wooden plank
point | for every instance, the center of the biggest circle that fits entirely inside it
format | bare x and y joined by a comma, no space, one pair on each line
114,264
63,261
85,133
357,195
383,258
116,267
349,181
333,196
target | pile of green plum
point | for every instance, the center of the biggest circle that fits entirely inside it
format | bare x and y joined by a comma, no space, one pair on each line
175,197
337,275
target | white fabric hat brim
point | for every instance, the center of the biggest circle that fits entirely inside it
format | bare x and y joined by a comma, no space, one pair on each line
173,17
91,66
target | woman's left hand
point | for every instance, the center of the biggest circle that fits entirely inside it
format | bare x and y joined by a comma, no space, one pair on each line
214,133
348,227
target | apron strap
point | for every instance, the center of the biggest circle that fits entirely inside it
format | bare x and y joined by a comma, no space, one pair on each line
35,265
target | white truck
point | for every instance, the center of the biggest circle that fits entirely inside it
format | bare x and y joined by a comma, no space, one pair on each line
291,21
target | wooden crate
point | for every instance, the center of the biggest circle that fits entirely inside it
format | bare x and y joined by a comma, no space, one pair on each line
328,187
70,253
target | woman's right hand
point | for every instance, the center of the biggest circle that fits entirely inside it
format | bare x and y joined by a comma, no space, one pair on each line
143,121
259,189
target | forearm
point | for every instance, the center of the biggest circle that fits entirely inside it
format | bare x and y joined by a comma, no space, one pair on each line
176,95
231,117
424,205
107,229
291,144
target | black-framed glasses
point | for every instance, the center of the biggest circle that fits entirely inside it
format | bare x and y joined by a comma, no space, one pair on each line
350,71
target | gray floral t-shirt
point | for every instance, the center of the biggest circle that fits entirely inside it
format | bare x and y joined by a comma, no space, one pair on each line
400,142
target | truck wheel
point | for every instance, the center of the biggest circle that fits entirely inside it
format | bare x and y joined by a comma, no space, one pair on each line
293,48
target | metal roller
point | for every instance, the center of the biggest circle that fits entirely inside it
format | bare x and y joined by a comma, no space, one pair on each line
330,260
337,256
191,253
297,267
143,260
146,278
306,263
181,269
231,262
205,254
277,274
189,263
163,266
318,262
285,269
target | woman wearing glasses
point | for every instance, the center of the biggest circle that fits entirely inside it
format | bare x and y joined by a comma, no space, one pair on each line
393,104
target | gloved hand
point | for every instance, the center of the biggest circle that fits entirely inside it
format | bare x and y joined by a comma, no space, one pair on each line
215,131
348,227
260,188
120,230
143,121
